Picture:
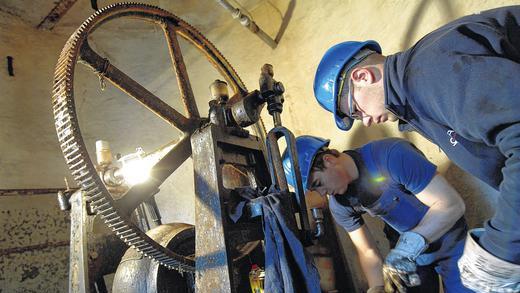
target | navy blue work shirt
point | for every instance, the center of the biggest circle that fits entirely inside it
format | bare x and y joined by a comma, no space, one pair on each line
459,86
406,167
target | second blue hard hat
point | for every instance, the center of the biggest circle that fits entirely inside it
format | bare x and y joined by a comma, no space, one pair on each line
307,147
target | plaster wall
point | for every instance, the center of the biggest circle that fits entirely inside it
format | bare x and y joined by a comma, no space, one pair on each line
29,152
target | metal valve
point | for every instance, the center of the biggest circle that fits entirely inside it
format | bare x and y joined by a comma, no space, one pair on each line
272,92
317,216
219,91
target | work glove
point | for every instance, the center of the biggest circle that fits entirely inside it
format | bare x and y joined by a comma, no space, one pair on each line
483,272
400,269
377,289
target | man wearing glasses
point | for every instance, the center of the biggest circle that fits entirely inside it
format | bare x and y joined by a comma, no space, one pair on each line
459,86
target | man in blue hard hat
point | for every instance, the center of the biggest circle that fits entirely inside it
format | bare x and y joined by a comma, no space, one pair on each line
459,86
392,180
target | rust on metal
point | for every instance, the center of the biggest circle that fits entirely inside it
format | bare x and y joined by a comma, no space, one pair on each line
212,257
134,89
223,162
68,128
62,6
180,70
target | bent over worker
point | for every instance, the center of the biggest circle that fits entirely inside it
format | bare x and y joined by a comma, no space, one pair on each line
459,86
392,180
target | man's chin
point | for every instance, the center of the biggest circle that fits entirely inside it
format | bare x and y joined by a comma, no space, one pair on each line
391,117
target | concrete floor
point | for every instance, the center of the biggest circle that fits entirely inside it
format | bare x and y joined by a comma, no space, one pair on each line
29,152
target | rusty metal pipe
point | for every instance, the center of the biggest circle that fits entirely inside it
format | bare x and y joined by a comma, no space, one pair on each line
249,23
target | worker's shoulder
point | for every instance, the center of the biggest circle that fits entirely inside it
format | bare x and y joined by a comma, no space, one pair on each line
387,143
389,149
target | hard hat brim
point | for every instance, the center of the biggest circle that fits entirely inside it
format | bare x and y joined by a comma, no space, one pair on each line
343,124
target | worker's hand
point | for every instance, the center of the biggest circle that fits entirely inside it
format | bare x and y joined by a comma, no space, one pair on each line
483,272
399,269
376,289
400,274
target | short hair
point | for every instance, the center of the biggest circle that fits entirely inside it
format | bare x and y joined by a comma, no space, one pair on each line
318,164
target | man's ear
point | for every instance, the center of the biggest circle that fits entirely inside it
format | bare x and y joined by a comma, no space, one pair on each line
362,76
328,160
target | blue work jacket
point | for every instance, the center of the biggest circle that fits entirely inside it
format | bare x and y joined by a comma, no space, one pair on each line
459,86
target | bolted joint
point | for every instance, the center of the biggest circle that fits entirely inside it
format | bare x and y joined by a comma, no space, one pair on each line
278,88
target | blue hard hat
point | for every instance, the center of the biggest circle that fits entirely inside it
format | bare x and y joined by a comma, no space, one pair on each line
306,148
326,83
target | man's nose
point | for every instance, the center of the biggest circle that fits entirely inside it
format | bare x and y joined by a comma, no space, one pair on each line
322,191
367,120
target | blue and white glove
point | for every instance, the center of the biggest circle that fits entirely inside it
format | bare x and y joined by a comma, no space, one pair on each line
483,272
400,269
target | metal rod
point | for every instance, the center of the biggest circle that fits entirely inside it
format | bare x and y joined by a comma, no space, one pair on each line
35,191
277,119
181,73
56,14
248,23
135,90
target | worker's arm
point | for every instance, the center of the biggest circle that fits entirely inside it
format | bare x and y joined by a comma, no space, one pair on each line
409,168
369,257
445,208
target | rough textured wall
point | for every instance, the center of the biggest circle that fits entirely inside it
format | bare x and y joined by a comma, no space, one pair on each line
34,248
29,154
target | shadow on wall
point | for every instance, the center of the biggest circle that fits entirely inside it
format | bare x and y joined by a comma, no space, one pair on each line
418,16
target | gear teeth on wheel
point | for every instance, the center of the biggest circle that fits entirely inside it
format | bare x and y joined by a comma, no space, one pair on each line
69,134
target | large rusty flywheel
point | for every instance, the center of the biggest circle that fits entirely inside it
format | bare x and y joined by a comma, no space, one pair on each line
115,210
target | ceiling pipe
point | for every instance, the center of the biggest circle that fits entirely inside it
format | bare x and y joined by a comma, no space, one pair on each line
62,6
248,23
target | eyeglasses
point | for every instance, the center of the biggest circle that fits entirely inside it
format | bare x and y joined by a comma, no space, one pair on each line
353,111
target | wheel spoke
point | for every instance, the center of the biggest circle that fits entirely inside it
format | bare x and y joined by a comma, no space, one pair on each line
135,90
174,157
73,144
180,70
216,59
